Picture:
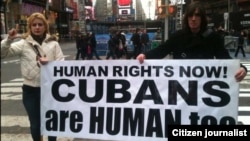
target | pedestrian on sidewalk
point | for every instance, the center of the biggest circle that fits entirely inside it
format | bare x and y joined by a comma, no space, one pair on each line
194,41
35,48
145,40
79,46
92,39
240,46
111,48
136,41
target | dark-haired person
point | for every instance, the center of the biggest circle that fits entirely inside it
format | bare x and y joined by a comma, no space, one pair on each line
194,41
136,40
145,40
35,48
240,44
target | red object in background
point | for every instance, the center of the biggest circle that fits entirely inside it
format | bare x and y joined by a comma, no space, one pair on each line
124,2
89,49
171,10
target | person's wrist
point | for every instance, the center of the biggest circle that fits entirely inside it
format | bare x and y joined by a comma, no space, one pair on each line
9,39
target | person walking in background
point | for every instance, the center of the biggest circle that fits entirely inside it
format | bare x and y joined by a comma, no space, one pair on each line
194,41
36,47
240,46
120,41
136,40
88,47
124,45
84,48
158,35
79,46
92,40
145,40
111,48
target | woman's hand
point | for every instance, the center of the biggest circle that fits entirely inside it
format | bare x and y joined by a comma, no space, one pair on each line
43,60
141,57
13,33
240,74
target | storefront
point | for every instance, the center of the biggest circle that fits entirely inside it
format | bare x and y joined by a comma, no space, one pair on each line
52,16
62,19
17,12
241,20
238,20
65,24
26,10
58,14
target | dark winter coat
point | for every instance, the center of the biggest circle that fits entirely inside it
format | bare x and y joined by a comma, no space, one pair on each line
136,39
185,45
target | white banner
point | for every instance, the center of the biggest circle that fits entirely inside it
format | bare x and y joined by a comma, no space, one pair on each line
126,100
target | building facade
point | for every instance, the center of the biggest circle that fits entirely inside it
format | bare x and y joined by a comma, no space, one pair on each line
57,12
65,16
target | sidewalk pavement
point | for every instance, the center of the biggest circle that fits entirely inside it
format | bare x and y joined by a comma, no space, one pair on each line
240,55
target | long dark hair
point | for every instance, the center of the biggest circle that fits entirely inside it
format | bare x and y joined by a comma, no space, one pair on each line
191,10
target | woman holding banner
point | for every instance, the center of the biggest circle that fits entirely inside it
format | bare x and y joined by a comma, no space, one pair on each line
194,41
35,48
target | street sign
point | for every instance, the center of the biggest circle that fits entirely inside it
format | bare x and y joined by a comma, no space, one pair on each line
226,16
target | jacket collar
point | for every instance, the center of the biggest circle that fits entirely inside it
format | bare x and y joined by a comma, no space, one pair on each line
48,38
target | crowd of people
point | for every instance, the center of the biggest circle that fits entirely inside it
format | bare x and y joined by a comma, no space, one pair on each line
86,46
117,47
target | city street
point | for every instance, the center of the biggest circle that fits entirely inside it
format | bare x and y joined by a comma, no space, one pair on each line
14,122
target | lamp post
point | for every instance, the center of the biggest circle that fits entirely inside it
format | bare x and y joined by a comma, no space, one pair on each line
149,5
228,21
166,23
47,9
20,2
6,10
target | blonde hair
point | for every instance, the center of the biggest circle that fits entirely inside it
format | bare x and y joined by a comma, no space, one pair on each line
30,20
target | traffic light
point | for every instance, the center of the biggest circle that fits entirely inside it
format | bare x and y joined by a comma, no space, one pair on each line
171,10
161,10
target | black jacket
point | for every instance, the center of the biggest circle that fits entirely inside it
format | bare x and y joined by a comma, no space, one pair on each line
185,45
136,39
